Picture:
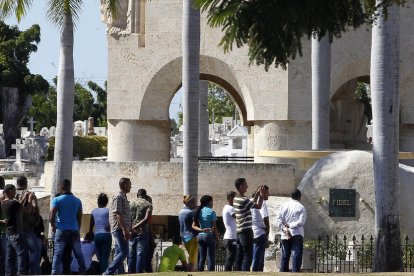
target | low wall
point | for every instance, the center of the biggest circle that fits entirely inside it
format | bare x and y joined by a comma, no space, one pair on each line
163,181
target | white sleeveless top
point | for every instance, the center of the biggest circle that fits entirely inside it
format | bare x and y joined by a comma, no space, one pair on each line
101,217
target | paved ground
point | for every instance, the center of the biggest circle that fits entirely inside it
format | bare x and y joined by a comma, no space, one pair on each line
277,273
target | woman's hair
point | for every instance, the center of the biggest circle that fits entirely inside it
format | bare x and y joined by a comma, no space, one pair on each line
102,200
204,201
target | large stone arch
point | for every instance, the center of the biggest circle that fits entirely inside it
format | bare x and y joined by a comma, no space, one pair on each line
165,83
147,138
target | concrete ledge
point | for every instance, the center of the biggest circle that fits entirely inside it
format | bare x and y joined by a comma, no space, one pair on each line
163,181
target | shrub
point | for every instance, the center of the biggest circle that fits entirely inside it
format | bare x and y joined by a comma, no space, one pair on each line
83,146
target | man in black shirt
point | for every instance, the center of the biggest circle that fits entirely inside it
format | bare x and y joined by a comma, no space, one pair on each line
16,243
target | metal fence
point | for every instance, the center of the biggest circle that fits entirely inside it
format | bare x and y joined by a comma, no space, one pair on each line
344,255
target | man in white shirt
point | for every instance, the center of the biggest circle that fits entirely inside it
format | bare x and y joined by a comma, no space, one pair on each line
261,228
230,236
290,220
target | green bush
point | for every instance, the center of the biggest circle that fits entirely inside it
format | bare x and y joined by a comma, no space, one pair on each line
83,146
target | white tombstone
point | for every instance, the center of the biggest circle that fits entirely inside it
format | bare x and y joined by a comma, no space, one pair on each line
31,128
100,131
18,166
238,141
52,131
44,132
78,128
24,132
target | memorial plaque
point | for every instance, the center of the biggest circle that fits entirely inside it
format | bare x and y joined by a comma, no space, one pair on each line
342,202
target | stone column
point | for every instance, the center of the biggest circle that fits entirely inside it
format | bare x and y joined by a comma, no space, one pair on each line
204,145
281,135
138,140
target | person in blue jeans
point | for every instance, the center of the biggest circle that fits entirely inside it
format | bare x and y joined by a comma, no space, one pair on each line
102,235
290,219
120,220
205,223
141,211
65,221
16,242
261,228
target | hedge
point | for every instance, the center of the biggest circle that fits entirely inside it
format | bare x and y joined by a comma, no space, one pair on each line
83,146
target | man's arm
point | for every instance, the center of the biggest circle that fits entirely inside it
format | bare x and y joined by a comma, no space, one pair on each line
52,218
127,234
79,217
144,220
301,221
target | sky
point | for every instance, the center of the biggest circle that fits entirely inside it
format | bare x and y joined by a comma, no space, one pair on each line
90,46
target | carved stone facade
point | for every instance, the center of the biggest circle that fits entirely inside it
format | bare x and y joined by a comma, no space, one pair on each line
144,73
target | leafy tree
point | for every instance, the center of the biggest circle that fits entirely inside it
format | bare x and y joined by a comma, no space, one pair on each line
83,103
220,104
44,106
273,29
15,49
363,94
99,107
173,127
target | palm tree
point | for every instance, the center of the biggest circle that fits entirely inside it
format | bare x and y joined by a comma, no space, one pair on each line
203,142
321,85
385,112
62,14
191,76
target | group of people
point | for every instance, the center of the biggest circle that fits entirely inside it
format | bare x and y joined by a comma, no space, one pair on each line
246,220
23,247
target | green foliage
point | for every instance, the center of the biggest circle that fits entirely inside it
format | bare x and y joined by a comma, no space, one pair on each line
83,146
220,104
173,127
43,109
15,49
83,102
44,106
99,106
273,29
363,94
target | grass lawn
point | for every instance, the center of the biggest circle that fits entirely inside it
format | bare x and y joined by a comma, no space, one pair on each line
275,273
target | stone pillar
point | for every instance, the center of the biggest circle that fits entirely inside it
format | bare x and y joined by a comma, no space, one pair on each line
138,140
281,135
204,145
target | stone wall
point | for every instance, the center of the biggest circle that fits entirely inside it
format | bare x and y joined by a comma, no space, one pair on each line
163,181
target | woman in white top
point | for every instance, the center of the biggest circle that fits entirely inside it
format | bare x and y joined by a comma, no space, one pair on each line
102,237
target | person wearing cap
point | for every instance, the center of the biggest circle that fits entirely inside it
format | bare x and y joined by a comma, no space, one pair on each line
230,236
188,234
290,220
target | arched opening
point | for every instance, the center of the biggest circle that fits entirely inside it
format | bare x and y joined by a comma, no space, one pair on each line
350,115
221,131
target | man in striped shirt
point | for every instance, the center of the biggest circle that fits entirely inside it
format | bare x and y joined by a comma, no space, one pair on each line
242,206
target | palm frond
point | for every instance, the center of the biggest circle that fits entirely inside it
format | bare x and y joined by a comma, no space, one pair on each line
16,7
58,8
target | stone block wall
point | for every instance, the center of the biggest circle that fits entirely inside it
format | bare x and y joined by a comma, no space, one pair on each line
163,181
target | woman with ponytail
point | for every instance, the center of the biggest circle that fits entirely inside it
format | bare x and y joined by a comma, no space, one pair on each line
205,224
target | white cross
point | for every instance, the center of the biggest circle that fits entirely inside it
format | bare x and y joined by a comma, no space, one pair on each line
18,147
31,122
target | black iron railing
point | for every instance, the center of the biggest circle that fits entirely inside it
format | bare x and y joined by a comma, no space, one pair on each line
344,255
218,159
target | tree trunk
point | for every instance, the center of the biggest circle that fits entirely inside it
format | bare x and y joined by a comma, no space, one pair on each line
385,113
191,76
63,156
321,86
204,146
11,117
